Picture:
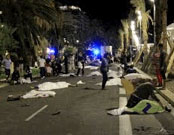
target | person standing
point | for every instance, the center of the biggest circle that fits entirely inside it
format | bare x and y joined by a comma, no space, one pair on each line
21,66
104,69
7,63
80,63
156,63
163,65
66,63
72,63
28,73
42,67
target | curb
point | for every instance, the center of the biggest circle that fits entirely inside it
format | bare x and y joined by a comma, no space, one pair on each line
3,85
166,94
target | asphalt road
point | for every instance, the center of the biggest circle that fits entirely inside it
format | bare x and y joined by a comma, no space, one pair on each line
75,111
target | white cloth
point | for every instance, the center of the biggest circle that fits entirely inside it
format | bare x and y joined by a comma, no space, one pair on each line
111,82
80,82
92,67
133,76
38,94
118,111
51,85
95,73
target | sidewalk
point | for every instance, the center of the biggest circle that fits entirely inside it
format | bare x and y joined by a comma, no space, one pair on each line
168,93
3,85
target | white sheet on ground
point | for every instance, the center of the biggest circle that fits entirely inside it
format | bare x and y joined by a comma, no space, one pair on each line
92,67
113,74
95,73
115,112
111,82
25,80
38,94
67,75
133,76
53,85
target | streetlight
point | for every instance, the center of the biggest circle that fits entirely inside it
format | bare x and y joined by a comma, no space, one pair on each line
154,20
77,41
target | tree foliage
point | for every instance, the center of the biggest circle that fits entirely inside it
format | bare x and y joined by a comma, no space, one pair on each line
30,18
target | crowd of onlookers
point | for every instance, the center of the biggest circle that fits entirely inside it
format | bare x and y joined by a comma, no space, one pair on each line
51,66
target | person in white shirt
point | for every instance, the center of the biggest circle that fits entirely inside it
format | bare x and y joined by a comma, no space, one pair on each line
7,63
42,67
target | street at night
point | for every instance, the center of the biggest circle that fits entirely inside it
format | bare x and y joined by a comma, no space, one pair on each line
80,67
80,110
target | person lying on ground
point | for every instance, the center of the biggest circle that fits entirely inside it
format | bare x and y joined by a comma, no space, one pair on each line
142,100
128,69
137,78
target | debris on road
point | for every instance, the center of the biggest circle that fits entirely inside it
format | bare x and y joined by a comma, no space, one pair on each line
56,113
13,98
80,82
25,105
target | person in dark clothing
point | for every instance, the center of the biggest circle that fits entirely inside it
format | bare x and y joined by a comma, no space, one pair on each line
66,63
104,69
28,73
130,70
124,60
163,65
143,91
80,63
53,66
15,76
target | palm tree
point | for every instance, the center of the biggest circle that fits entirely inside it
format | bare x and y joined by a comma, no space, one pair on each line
30,18
121,36
7,42
140,5
125,26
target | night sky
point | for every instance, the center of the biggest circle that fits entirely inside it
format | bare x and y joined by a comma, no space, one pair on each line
110,12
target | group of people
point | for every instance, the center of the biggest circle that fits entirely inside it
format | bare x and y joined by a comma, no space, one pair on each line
47,66
141,100
18,70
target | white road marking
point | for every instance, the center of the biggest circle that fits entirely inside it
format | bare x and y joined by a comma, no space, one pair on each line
125,127
34,114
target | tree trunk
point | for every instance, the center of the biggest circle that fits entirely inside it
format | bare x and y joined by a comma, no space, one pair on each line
170,62
164,24
158,20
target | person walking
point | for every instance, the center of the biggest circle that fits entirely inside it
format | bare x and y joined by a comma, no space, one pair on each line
7,63
104,69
